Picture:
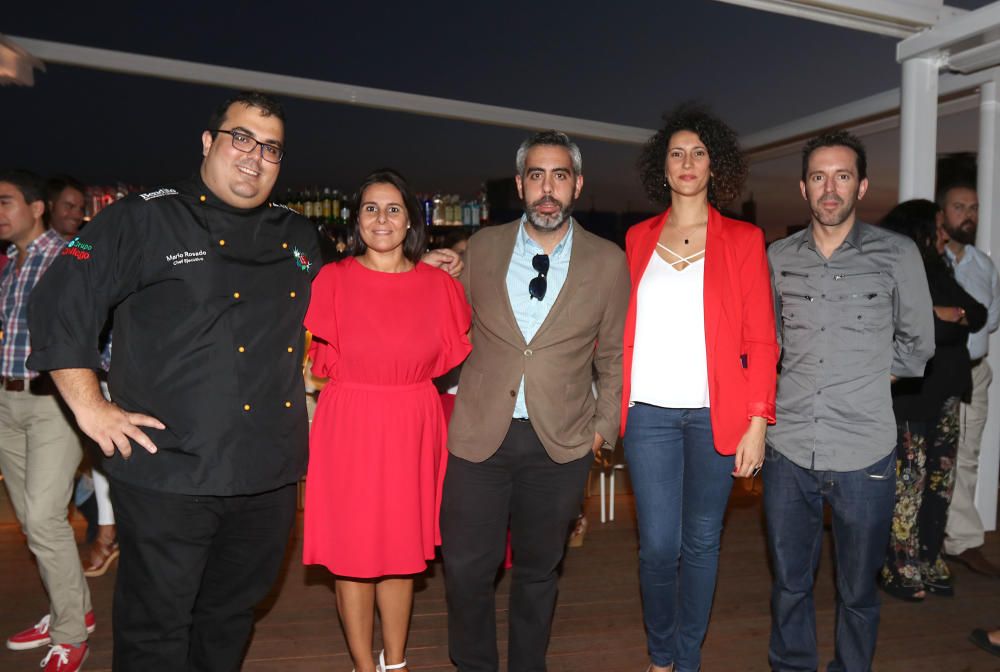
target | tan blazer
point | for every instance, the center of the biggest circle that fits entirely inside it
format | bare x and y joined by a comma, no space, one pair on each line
580,339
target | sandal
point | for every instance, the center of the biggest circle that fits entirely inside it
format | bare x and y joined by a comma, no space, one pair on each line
102,554
382,667
940,587
903,592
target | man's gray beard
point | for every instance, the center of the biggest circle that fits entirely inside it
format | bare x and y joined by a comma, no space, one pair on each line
551,222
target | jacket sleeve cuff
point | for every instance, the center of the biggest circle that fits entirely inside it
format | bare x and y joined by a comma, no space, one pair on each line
608,430
761,409
56,357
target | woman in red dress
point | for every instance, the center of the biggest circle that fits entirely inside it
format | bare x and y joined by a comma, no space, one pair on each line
383,326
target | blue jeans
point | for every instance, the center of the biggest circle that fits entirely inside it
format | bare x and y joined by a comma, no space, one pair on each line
681,489
862,504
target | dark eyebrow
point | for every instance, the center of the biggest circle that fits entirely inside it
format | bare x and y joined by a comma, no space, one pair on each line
269,141
536,169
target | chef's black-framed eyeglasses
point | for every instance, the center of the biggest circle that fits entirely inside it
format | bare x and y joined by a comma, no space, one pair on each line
538,285
246,143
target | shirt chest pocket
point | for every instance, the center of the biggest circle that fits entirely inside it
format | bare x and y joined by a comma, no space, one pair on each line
798,301
864,308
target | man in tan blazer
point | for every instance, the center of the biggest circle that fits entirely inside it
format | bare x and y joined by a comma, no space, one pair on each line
548,304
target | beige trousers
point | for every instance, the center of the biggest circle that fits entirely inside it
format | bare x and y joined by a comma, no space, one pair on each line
39,453
965,529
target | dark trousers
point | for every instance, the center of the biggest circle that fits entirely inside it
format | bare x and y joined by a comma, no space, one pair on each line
521,486
191,571
862,504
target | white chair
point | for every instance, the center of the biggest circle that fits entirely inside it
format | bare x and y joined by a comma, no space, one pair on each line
608,499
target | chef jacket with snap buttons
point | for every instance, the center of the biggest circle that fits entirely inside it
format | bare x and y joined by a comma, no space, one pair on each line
207,302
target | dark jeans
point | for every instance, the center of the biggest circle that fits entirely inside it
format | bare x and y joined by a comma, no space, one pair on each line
681,489
540,499
862,503
192,569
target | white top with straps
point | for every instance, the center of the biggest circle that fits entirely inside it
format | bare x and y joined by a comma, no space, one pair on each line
669,363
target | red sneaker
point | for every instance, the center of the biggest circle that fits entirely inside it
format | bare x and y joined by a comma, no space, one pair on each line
64,658
38,634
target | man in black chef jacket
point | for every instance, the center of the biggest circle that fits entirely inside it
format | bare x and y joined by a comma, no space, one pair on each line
206,433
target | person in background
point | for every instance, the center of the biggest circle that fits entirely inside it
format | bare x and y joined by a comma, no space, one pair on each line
927,418
975,271
853,312
383,325
699,378
40,448
66,200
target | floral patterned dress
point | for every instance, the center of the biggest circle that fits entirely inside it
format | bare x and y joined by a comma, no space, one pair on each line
927,421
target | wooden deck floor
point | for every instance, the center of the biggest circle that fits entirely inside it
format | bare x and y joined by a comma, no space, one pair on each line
598,623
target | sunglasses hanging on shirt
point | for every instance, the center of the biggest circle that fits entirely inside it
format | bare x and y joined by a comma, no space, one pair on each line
538,285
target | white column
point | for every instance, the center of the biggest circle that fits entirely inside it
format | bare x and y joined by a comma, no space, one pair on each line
918,128
989,220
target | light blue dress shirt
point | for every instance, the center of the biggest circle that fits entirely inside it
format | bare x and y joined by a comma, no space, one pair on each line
529,312
978,276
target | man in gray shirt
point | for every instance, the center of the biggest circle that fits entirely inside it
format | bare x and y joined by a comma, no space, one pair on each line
854,313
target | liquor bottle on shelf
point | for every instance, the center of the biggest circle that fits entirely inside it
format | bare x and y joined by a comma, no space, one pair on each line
428,204
318,204
437,217
336,205
484,207
327,205
307,204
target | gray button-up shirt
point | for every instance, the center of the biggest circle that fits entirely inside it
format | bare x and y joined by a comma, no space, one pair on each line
844,324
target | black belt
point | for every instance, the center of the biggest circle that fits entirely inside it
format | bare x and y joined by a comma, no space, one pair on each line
977,361
522,419
40,385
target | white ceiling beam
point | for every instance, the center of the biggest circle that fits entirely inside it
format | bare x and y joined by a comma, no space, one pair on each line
867,115
332,92
950,32
895,18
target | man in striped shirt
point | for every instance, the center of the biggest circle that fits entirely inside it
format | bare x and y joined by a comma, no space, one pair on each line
39,447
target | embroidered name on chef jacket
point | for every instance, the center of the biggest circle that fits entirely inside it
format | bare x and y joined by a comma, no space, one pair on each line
186,257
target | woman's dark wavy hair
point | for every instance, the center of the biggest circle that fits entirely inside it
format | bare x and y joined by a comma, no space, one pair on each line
729,168
415,243
917,220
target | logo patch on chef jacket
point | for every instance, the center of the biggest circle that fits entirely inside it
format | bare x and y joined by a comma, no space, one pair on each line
186,257
77,248
301,260
148,196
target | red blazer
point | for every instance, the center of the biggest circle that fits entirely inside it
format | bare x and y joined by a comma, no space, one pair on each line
739,322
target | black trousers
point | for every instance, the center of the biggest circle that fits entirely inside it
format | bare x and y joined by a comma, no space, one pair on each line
540,500
191,571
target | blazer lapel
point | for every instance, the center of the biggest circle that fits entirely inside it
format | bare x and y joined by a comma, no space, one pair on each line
498,275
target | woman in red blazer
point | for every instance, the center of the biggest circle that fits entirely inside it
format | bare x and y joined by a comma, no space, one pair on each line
700,367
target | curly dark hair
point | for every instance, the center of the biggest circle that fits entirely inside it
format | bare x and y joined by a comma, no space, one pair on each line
729,168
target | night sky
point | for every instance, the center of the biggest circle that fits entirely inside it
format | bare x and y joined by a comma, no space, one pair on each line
621,62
